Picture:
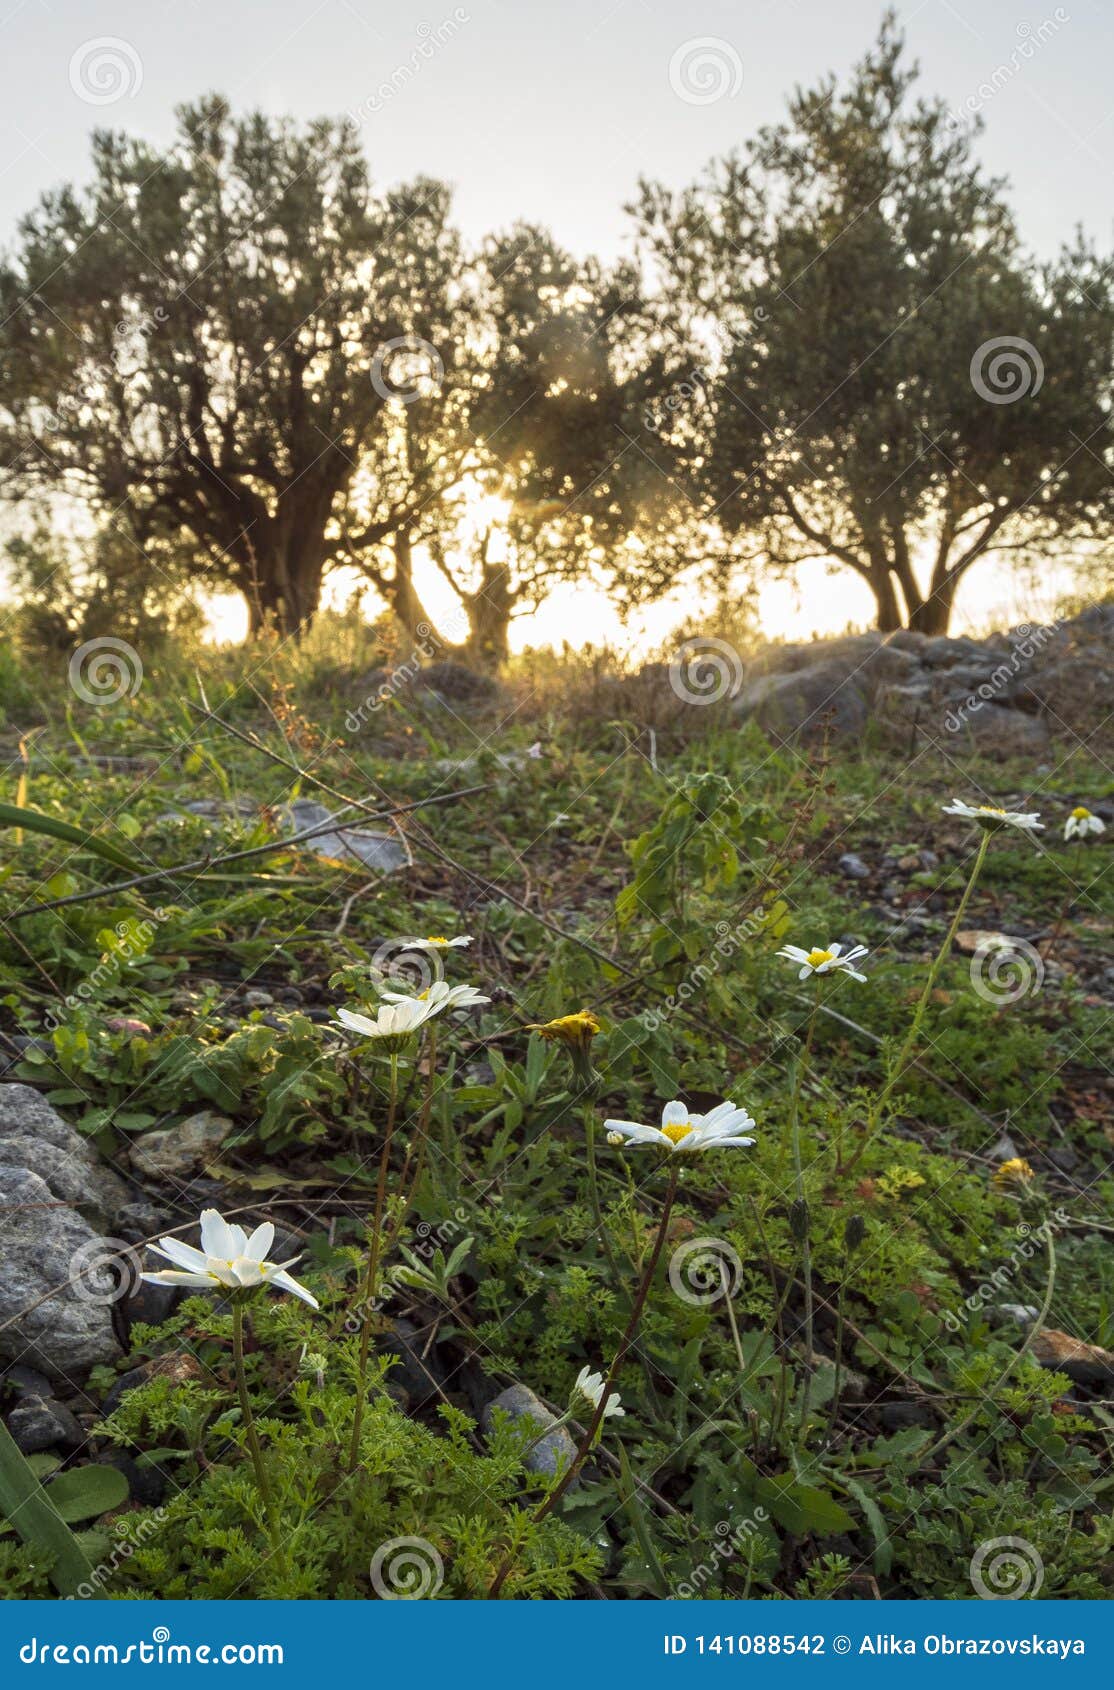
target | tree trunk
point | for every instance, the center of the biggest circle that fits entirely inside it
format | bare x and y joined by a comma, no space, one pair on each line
489,618
933,614
888,619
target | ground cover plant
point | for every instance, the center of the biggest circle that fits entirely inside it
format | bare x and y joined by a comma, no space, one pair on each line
686,1173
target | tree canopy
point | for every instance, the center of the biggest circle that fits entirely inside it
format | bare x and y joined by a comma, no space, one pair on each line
884,374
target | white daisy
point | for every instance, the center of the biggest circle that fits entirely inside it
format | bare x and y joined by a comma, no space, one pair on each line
831,960
990,816
227,1258
590,1386
436,942
438,997
680,1130
1081,822
394,1023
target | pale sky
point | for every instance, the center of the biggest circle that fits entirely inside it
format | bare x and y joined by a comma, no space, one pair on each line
552,110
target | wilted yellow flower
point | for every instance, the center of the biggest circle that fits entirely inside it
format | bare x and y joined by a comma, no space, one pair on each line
574,1030
1014,1172
576,1033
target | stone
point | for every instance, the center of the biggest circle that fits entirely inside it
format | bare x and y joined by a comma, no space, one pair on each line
553,1452
256,998
25,1382
454,683
998,731
138,1221
942,651
41,1423
34,1136
59,1328
417,1368
806,704
1085,1364
853,867
380,851
182,1150
147,1484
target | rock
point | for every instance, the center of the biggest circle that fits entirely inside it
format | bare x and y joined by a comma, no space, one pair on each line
181,1150
417,1369
1018,1314
60,1328
151,1304
853,867
178,1366
942,652
138,1221
453,683
41,1423
34,1136
128,1024
806,704
552,1453
898,1416
25,1382
380,851
1086,1364
255,998
147,1484
996,730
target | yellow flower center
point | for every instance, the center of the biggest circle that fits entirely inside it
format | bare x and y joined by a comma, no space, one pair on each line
815,958
1080,813
677,1130
436,939
991,810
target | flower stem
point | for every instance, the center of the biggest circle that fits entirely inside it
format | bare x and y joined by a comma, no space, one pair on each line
901,1061
594,1190
368,1294
247,1418
550,1502
954,1432
805,1241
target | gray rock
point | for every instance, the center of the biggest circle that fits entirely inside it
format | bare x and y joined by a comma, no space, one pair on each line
25,1382
453,683
34,1136
853,867
41,1423
59,1328
417,1369
138,1221
181,1150
552,1453
997,731
941,652
805,704
380,851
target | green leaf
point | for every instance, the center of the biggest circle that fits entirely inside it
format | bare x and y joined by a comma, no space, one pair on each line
35,1517
14,815
883,1548
84,1493
803,1508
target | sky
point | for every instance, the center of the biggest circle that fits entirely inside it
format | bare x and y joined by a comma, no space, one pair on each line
552,111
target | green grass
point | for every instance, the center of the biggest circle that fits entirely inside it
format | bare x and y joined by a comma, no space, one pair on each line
655,893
